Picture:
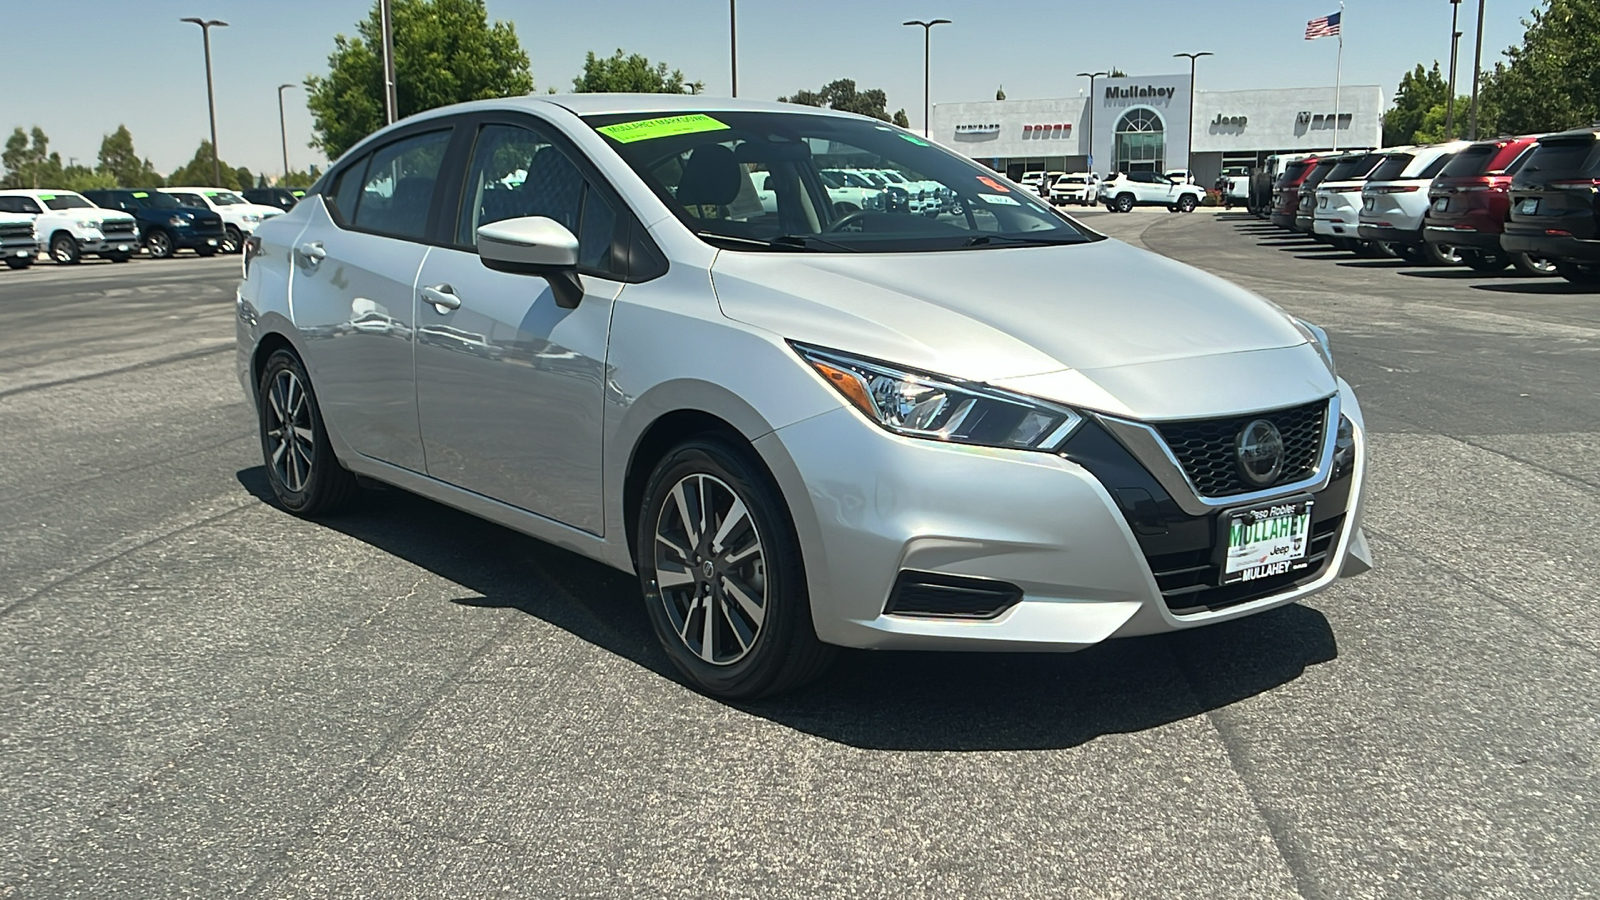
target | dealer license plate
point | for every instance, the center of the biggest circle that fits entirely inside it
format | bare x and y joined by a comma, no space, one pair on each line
1441,204
1264,541
1529,206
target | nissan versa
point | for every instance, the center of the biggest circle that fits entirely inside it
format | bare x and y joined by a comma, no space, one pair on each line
803,425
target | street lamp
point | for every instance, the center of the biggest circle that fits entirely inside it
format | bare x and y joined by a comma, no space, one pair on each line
927,28
733,42
1450,102
1091,76
211,97
1189,150
282,128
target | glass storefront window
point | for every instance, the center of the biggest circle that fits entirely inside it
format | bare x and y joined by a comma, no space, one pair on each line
1141,142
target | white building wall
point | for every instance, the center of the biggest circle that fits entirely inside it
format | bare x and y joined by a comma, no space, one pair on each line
1287,119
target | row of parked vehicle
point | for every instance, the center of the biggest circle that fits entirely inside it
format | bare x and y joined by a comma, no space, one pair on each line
1119,191
1529,202
118,224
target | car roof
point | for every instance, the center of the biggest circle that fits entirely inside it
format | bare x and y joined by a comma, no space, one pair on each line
191,190
601,104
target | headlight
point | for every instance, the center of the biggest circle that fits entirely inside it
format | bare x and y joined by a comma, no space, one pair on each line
1319,338
178,222
90,224
916,404
252,218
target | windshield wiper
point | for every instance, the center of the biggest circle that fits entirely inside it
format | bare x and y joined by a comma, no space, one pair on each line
787,242
984,239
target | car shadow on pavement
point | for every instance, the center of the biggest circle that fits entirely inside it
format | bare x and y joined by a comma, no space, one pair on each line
872,700
1549,286
1451,273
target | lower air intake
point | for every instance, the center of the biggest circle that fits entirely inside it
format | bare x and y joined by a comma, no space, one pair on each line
950,596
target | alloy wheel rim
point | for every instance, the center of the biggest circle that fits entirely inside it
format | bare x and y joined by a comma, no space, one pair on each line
289,434
1543,264
63,253
710,570
158,244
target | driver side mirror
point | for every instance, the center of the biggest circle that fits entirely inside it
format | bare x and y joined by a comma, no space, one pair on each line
534,245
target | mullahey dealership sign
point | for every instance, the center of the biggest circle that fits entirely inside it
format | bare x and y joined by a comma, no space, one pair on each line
1139,92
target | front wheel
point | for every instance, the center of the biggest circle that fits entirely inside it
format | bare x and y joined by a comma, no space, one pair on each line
159,244
20,262
1186,203
232,240
305,475
64,250
1123,203
1533,265
719,565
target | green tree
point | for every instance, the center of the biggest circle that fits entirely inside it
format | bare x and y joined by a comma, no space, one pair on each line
122,164
1116,73
901,119
200,172
1420,91
445,51
299,179
842,95
83,178
1552,81
632,74
29,162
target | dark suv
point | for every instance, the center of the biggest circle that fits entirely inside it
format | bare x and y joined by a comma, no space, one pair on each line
1555,205
282,198
166,225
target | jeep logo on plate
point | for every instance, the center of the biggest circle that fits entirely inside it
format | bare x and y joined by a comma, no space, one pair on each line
1259,452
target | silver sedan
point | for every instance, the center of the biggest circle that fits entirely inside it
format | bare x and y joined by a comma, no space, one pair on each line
803,425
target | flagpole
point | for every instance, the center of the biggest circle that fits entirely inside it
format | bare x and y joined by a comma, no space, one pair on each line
1338,79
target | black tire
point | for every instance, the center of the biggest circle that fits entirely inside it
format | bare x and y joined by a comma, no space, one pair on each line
306,477
1579,273
232,240
159,244
1122,203
1172,208
1374,250
119,257
783,652
1408,253
64,249
205,250
1186,203
19,262
1441,254
1486,262
1536,266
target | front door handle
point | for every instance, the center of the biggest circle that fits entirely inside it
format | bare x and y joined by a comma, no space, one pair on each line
443,297
312,252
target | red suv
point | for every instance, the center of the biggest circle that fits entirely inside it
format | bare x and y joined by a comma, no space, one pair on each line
1286,193
1470,202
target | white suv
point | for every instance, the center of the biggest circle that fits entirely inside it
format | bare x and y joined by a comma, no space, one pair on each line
1394,197
1082,188
69,226
1337,209
239,216
1124,190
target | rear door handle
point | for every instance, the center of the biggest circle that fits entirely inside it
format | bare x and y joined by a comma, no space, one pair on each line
312,252
443,297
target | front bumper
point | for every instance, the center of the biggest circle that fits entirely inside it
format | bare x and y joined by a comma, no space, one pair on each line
108,245
868,505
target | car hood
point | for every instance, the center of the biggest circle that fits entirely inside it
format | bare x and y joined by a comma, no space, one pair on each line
1102,325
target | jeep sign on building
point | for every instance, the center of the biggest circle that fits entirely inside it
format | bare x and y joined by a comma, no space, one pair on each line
1141,123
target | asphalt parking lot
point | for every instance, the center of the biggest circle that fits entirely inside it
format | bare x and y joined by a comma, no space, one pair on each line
209,697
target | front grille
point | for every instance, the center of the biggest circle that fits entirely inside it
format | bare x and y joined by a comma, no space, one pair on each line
950,596
208,227
1206,448
18,233
117,228
1188,580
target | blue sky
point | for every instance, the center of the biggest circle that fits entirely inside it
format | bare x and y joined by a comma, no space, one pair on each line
136,64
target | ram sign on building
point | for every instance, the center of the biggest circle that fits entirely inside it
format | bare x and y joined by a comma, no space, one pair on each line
1142,123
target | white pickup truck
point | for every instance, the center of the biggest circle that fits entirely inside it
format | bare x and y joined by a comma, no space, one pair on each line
239,216
70,227
17,243
847,198
1122,191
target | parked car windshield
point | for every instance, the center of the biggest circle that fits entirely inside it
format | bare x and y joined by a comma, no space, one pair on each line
188,199
65,201
226,198
704,165
155,200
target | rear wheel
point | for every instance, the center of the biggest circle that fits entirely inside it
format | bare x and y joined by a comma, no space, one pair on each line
1441,254
305,476
205,250
119,257
1407,252
1487,262
1579,273
1374,250
723,581
1533,265
1123,203
64,250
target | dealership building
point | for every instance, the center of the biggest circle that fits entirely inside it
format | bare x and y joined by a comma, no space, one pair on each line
1143,123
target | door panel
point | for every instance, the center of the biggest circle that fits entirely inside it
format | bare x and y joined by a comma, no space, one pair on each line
510,387
354,309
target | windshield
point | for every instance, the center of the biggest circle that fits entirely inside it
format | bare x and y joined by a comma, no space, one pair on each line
194,200
155,200
706,165
225,198
65,201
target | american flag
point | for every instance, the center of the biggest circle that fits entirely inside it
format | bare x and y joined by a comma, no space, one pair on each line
1327,26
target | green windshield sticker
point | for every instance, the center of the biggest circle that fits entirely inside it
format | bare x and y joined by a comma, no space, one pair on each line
47,196
211,193
141,194
915,140
671,126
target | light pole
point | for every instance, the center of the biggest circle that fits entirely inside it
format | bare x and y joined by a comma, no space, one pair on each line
211,97
1450,102
391,105
927,29
282,128
733,42
1189,149
1477,71
1091,76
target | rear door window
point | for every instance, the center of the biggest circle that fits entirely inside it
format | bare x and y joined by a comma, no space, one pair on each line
397,188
